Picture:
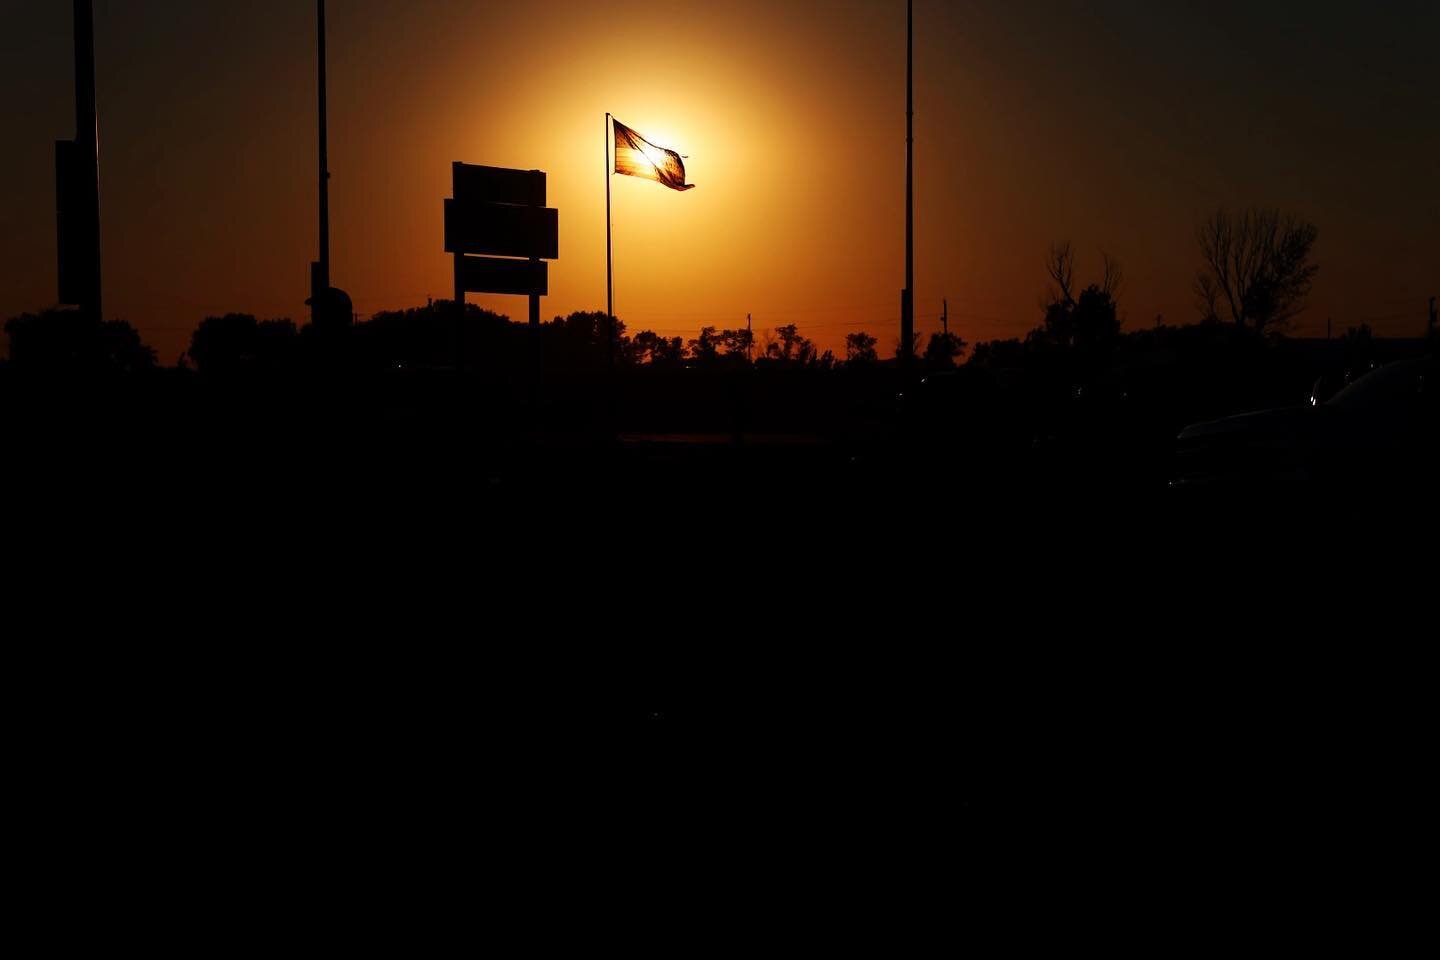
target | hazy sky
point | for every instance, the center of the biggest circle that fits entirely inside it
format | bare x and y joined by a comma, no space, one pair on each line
1116,124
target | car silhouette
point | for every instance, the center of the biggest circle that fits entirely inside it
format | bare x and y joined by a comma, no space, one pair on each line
1382,429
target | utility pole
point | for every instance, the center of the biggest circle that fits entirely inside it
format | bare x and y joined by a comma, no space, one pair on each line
750,337
1434,319
907,299
320,271
87,136
945,317
609,246
77,182
330,308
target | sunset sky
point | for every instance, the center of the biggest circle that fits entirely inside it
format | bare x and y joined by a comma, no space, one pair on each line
1115,124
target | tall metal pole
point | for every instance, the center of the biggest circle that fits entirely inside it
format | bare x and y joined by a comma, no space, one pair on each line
907,317
322,281
87,139
609,255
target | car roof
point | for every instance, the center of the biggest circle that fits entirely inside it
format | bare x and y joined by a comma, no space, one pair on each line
1392,383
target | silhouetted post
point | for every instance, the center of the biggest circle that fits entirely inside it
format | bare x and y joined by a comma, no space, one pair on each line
535,303
1434,318
907,301
750,339
320,280
330,309
945,317
459,316
609,254
534,337
904,352
78,186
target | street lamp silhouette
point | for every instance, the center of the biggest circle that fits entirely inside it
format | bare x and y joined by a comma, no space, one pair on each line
330,308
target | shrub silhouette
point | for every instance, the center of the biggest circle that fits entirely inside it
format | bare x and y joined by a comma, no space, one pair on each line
68,341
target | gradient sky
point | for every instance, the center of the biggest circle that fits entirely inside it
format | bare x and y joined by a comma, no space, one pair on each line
1116,124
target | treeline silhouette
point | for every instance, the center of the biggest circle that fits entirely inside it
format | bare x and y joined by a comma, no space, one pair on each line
1080,386
429,338
1080,334
1077,391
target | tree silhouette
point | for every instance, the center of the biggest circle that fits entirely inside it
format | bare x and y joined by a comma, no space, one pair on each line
647,346
943,350
1358,349
915,339
790,347
1086,321
122,349
705,348
426,336
860,348
737,343
235,341
67,340
999,354
572,342
1256,266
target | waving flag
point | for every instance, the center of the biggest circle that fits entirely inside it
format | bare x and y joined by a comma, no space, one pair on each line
637,157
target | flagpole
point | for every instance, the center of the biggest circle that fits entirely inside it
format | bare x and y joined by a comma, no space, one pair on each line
323,281
609,245
87,150
907,317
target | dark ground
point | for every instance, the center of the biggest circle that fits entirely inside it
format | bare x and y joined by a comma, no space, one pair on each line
410,629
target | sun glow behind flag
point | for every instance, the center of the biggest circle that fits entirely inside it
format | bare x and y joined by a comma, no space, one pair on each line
637,157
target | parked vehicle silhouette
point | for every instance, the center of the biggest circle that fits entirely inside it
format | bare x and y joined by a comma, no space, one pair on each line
1382,428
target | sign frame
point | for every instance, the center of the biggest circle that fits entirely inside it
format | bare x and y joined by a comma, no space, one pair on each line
504,276
501,233
502,230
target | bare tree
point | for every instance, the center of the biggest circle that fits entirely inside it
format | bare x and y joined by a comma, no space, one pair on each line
1257,265
1060,267
1207,298
1085,318
1114,277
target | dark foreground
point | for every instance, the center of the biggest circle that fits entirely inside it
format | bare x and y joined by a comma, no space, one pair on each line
447,635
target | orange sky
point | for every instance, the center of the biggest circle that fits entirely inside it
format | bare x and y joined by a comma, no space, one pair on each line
1112,125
